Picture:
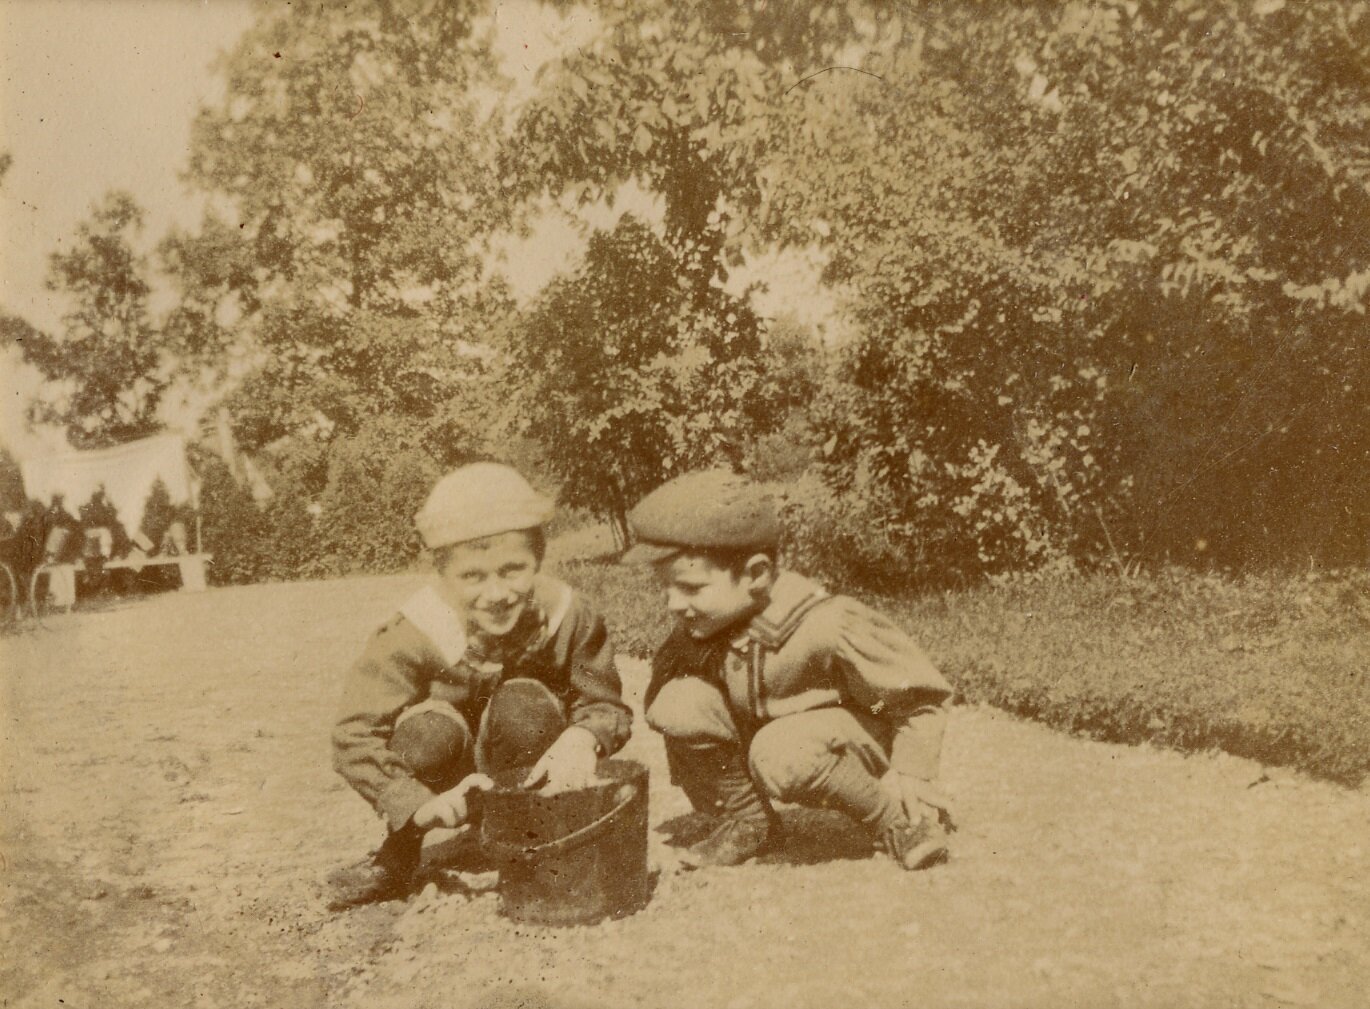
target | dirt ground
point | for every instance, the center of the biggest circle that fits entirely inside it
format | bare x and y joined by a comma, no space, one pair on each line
168,811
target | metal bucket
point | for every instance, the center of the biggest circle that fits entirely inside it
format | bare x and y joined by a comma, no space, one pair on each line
572,858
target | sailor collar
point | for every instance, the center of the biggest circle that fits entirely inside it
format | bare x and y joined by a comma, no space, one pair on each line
446,631
792,597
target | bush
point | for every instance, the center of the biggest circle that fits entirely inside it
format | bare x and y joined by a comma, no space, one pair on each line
847,538
233,528
339,508
366,511
1097,264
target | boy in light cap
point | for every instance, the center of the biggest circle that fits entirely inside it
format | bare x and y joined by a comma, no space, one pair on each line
495,666
770,689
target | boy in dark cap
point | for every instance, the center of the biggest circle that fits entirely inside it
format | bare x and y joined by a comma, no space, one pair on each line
494,666
769,688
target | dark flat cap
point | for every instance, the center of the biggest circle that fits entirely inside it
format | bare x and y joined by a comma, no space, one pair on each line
707,510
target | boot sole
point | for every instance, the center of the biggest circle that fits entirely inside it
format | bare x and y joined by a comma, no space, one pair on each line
925,856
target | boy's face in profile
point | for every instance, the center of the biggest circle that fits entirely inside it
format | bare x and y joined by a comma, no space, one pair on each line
490,581
706,597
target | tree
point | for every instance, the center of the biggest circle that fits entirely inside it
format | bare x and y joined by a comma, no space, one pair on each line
680,98
669,367
107,362
625,382
1088,248
350,150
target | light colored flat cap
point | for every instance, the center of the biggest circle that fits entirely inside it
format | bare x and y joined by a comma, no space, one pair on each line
482,499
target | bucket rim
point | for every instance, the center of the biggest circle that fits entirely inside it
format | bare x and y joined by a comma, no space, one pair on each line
610,771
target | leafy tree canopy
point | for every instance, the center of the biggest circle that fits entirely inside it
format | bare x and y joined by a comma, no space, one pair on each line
1102,255
678,97
625,383
107,360
351,151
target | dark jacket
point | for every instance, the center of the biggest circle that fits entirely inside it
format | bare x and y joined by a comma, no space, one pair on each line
423,652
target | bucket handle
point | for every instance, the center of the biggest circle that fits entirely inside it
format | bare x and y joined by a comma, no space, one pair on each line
561,845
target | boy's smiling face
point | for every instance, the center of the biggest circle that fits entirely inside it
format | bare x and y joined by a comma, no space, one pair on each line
490,581
707,598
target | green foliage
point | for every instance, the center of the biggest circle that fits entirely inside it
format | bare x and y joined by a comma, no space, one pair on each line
626,381
350,148
233,528
1105,263
794,367
377,482
158,513
847,537
107,361
337,508
12,497
669,96
638,366
1107,267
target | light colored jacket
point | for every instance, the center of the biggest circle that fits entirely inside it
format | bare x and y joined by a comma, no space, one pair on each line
808,649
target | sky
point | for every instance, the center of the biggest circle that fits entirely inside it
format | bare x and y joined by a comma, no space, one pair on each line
100,94
94,95
97,95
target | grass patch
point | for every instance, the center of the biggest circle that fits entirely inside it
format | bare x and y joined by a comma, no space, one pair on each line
1271,667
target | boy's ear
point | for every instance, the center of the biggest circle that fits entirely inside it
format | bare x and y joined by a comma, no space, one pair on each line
760,570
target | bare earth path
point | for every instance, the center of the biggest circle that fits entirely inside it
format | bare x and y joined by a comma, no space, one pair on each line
167,809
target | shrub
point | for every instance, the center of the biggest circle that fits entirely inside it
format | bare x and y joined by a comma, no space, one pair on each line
233,528
158,513
847,537
366,511
339,508
1102,259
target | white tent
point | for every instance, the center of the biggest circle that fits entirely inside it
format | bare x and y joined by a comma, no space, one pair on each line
127,473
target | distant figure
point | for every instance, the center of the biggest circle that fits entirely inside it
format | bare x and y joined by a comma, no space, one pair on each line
62,545
23,552
175,541
60,542
99,516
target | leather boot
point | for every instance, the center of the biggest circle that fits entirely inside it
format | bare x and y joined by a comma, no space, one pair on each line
715,779
910,830
388,873
917,843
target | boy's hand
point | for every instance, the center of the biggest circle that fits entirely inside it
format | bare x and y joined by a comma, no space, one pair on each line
569,762
450,808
